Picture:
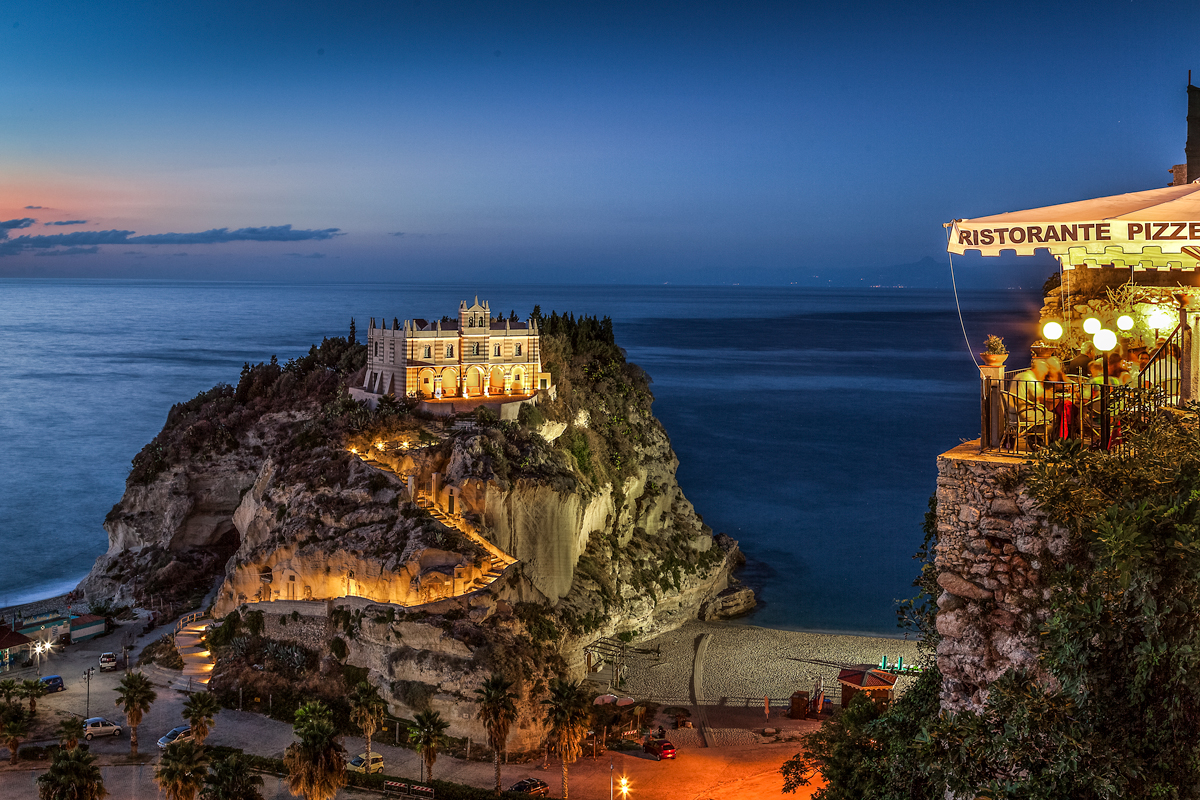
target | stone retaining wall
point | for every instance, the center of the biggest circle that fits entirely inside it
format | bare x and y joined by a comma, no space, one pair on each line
992,543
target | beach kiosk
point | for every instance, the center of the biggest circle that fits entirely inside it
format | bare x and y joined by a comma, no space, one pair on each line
15,648
877,684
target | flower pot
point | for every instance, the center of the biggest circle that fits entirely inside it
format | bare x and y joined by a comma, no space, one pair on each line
1041,351
994,359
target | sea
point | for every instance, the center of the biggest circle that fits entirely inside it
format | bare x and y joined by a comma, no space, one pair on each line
807,422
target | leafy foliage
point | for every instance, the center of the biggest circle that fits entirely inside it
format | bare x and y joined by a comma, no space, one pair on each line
73,775
1117,714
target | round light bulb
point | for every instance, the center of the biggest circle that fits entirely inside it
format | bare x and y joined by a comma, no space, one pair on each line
1092,326
1125,322
1105,340
1158,319
1052,331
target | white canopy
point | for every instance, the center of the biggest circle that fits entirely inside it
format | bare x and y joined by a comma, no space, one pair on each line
1157,229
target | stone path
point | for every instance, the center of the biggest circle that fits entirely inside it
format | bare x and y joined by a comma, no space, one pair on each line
197,661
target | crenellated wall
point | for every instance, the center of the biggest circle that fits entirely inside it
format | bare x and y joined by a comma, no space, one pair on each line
993,542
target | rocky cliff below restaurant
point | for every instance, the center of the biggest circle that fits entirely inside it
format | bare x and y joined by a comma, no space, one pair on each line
430,556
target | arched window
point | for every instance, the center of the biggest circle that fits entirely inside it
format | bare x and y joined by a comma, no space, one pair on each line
496,351
476,349
516,350
428,351
471,322
449,351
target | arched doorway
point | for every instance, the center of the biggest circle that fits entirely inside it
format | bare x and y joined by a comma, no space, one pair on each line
474,382
425,383
496,381
449,382
518,381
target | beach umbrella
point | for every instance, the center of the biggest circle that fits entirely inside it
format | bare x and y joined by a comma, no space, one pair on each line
1156,229
626,701
604,700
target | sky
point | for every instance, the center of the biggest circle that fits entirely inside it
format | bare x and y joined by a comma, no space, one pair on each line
569,142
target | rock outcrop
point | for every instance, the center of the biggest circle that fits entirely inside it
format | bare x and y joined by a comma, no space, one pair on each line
440,557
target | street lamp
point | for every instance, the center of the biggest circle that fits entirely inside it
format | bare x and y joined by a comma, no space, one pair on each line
87,705
623,788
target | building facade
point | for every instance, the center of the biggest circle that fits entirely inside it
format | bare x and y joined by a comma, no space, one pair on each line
476,355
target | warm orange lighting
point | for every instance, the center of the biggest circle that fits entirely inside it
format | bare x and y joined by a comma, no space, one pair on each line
379,446
623,787
354,450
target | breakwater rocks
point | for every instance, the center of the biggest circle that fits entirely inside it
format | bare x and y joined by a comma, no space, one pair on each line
993,541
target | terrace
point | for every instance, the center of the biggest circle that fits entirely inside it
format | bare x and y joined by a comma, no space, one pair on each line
1094,389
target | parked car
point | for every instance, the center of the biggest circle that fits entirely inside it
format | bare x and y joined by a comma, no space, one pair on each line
99,726
108,661
359,764
659,748
54,683
182,733
531,786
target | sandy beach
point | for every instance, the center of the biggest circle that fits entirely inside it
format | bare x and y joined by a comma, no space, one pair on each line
739,664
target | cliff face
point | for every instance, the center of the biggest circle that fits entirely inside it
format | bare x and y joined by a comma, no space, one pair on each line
434,557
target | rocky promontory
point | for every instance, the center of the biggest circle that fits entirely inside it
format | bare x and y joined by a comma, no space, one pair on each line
425,554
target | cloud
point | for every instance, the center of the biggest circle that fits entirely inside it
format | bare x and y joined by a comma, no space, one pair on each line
32,206
68,222
397,233
276,233
305,255
69,251
8,224
273,233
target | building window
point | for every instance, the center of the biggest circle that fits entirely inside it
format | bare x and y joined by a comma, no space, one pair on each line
428,351
449,351
377,350
496,351
516,349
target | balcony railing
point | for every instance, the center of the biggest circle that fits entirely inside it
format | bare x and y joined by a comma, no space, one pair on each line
1019,417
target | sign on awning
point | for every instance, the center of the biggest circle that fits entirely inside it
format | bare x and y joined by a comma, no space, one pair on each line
1154,229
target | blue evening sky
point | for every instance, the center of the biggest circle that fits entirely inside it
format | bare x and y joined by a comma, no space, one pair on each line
605,142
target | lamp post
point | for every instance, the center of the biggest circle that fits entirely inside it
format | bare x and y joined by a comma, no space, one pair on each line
87,703
1104,340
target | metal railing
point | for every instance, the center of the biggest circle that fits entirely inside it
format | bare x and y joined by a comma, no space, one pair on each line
1019,417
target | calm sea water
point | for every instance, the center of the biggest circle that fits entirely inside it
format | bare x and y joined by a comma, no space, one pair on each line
807,422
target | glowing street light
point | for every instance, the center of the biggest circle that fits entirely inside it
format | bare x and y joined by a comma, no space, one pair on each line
1052,331
1125,322
623,788
1092,325
1105,340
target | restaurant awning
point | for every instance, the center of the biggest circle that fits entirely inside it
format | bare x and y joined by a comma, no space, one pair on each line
1154,229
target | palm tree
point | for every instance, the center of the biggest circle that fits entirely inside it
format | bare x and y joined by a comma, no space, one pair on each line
568,705
316,764
14,727
33,690
73,775
135,696
427,733
231,779
70,731
199,710
497,711
9,690
366,711
181,772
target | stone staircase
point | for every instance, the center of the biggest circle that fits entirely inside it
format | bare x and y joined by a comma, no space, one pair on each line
197,661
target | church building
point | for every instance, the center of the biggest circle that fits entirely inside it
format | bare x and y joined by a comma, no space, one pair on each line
474,356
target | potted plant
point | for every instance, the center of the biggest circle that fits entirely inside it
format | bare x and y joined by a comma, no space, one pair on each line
994,352
1040,349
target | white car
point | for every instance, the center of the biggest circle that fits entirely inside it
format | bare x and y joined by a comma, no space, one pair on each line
99,726
108,662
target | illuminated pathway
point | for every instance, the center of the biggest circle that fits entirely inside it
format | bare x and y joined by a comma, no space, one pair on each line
197,661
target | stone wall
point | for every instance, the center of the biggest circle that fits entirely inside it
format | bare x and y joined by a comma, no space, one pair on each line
307,627
992,543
